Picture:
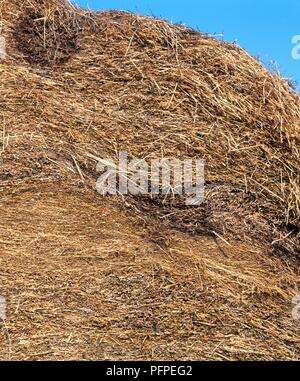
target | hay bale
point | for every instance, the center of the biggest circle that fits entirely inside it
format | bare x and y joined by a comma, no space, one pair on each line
143,277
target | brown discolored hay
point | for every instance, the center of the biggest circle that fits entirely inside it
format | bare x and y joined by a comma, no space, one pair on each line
45,41
87,277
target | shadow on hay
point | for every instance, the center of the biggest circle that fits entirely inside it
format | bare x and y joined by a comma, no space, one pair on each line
46,41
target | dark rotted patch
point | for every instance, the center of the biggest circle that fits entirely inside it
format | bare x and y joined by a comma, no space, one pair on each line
46,41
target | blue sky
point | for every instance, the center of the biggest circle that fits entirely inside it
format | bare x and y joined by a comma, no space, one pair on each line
264,27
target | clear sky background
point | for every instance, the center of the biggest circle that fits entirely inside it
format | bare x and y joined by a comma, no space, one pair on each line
263,27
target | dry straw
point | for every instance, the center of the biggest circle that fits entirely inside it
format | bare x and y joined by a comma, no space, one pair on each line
87,277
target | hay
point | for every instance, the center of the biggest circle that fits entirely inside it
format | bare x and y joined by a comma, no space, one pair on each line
87,277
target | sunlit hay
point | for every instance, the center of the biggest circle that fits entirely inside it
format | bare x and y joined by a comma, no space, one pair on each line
92,277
